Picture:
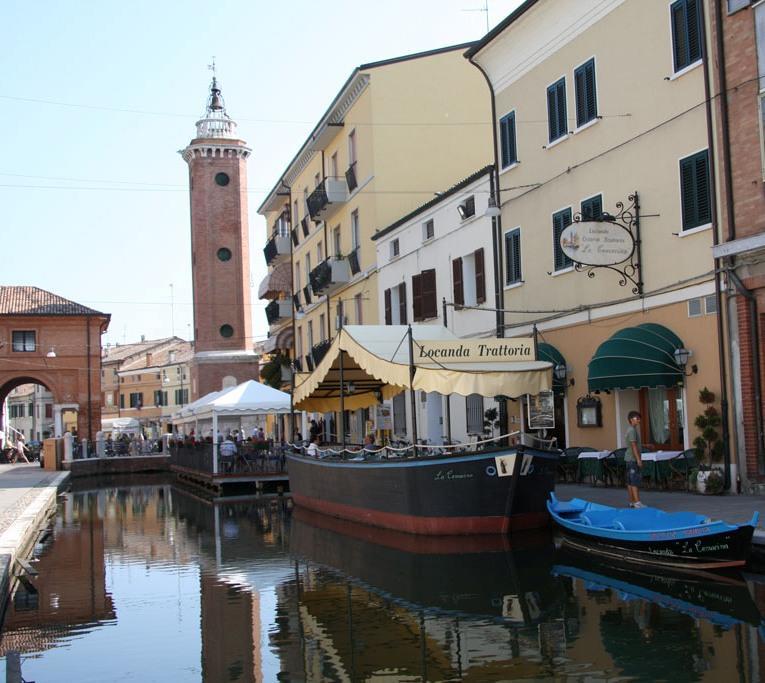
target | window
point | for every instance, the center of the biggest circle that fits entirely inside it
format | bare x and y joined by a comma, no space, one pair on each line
355,230
297,277
109,395
394,248
336,242
424,302
181,397
333,170
299,347
23,340
395,305
467,208
136,400
585,93
49,410
513,272
122,401
428,230
694,308
507,140
556,110
352,147
319,252
317,180
308,264
469,279
399,414
734,5
686,32
358,306
474,413
710,304
459,290
160,398
310,334
295,214
695,193
322,327
560,221
592,208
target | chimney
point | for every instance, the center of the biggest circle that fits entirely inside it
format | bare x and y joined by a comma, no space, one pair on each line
148,360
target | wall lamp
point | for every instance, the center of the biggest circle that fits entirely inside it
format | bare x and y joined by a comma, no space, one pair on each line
492,210
461,211
682,356
51,353
560,371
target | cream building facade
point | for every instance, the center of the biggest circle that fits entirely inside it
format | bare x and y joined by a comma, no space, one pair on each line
609,112
397,132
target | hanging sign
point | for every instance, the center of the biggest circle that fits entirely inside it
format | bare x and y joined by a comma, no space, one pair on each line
597,243
474,351
541,411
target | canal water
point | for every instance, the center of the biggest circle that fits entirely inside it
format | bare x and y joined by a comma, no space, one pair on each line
154,583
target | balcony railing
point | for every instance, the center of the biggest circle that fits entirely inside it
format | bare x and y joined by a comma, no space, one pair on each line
278,245
329,275
320,350
328,195
277,310
350,177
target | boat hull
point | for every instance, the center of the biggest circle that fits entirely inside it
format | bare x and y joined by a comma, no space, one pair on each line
485,493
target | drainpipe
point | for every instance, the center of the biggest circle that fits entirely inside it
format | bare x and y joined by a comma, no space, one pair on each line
496,236
722,359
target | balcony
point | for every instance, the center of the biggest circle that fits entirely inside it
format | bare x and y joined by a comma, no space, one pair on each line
278,245
277,310
320,350
328,195
330,275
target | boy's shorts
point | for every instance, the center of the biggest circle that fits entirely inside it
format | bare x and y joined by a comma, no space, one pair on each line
633,474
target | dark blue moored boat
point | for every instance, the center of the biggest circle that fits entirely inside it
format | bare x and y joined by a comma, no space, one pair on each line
681,540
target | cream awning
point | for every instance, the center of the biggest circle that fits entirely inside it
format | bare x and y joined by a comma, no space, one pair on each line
376,361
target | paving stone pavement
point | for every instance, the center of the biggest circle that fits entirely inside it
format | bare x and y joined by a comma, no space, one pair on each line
19,486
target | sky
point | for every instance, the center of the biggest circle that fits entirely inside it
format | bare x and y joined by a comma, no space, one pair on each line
98,97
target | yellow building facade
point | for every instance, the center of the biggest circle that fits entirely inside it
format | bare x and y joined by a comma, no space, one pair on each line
397,132
608,117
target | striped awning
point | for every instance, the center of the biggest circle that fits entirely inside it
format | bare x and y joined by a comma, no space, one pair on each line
636,357
278,281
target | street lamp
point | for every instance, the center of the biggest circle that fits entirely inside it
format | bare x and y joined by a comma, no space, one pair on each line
682,356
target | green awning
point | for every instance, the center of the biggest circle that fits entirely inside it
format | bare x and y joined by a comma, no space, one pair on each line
636,357
549,353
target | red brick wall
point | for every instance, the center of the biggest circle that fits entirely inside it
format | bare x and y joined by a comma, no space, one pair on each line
219,219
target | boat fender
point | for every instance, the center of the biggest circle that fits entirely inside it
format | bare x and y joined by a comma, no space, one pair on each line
491,470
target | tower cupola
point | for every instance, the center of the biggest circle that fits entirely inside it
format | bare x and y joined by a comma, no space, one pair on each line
216,123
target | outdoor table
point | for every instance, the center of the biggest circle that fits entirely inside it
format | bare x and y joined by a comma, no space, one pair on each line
590,465
656,465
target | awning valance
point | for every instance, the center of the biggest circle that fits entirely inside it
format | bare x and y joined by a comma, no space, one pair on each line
376,363
636,357
549,353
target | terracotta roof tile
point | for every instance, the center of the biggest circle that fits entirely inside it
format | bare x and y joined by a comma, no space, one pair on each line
16,300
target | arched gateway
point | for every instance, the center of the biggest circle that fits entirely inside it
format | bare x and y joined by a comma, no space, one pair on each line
48,340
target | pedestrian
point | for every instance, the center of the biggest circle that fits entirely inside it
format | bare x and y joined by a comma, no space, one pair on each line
20,449
633,459
369,443
313,429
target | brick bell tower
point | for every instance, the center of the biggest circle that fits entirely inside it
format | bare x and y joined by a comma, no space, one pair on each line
220,253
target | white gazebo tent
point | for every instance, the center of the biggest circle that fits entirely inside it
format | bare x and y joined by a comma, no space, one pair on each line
249,398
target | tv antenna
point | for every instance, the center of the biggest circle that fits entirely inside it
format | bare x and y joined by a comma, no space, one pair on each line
484,9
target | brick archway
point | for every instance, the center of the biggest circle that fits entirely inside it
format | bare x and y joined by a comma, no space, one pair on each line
48,340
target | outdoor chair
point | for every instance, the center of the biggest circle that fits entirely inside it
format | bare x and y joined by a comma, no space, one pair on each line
615,468
682,466
568,465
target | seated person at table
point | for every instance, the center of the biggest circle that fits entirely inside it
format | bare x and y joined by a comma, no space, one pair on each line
369,443
313,449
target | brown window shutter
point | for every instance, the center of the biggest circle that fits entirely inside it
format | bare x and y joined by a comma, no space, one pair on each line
402,303
459,290
417,297
429,303
388,313
480,277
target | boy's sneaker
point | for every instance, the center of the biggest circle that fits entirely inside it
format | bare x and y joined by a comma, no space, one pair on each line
638,505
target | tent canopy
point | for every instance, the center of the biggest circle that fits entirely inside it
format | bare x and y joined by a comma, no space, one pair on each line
248,398
375,361
635,357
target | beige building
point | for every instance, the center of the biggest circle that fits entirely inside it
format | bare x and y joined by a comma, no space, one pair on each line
398,131
608,118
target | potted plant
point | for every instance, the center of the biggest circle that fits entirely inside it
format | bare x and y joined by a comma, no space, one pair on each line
707,445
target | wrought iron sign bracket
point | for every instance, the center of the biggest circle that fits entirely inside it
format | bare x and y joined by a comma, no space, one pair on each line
627,219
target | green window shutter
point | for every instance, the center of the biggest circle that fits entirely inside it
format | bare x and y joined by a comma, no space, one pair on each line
695,191
592,208
585,92
556,110
560,221
513,256
507,140
686,32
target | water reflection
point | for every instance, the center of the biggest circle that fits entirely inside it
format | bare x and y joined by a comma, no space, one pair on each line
150,582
